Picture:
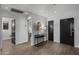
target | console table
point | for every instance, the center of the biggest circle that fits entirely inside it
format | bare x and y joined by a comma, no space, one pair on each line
38,37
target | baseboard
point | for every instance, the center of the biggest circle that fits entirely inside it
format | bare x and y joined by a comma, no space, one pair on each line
7,39
76,46
32,44
21,43
56,41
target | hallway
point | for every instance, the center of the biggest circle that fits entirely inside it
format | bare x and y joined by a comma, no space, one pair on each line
34,19
47,49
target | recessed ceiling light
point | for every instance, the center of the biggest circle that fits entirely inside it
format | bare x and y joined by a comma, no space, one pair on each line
26,13
55,12
6,8
29,17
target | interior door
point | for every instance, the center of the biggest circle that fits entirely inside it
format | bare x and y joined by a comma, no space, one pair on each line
13,31
67,31
50,30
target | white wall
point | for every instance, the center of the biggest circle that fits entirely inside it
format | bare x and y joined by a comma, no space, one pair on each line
21,31
6,33
0,33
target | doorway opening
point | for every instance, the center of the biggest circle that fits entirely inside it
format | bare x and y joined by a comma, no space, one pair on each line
8,34
67,31
50,30
29,27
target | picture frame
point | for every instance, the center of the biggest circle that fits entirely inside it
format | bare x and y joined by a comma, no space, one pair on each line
5,25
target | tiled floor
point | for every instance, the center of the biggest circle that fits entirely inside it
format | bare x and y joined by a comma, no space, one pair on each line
49,48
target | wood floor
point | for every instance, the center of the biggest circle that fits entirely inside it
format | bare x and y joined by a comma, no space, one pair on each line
48,48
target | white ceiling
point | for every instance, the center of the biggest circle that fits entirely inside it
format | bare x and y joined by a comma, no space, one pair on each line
45,10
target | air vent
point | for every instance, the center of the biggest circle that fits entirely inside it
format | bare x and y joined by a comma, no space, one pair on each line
16,10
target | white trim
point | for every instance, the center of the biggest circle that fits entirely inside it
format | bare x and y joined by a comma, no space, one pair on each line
21,42
58,41
76,46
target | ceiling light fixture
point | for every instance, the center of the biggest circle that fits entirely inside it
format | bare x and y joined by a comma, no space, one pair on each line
55,11
25,13
29,17
6,8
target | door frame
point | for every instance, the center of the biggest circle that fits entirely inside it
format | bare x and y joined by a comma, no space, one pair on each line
14,43
48,29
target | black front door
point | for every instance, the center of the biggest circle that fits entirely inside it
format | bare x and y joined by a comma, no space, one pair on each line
67,31
50,30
